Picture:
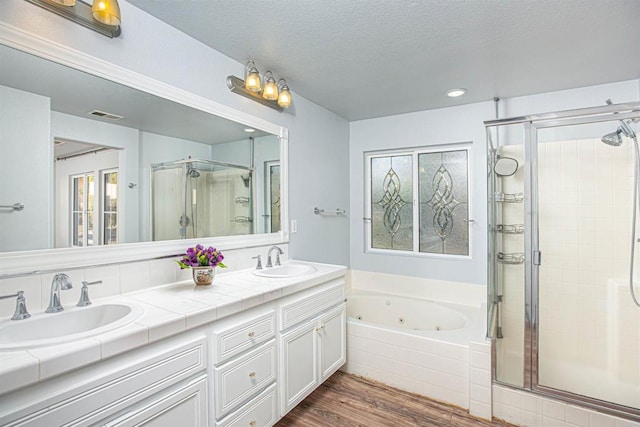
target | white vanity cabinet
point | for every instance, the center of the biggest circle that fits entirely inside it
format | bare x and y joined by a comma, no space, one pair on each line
154,385
244,359
312,341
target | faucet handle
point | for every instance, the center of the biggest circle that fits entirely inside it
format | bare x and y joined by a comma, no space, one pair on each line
259,258
21,306
84,293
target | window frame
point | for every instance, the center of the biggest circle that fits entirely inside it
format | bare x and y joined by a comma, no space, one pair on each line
415,152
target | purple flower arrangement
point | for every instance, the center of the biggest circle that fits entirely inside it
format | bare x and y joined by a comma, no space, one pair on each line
198,256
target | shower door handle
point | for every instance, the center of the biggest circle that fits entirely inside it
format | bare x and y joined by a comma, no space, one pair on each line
537,258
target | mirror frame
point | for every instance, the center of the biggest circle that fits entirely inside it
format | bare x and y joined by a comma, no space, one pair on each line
49,260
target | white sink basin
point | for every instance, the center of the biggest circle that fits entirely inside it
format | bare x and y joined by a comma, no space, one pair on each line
72,324
290,269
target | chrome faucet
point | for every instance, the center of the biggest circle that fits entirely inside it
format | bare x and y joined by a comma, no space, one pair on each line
278,253
21,306
84,293
60,281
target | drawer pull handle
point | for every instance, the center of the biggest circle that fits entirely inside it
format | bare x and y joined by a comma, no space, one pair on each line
252,375
252,423
251,334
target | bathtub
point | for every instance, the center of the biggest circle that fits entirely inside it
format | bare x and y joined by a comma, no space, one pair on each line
431,348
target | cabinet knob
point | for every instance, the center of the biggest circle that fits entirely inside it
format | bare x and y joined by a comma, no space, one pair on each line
252,423
252,375
251,334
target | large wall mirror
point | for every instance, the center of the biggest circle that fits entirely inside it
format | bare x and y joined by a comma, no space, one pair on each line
98,163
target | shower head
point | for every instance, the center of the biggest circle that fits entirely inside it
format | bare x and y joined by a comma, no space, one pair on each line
192,172
613,138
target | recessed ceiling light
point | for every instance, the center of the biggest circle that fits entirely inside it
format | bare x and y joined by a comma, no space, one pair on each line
454,93
249,130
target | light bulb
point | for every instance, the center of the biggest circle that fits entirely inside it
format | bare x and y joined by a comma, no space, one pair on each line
270,90
253,82
284,98
106,11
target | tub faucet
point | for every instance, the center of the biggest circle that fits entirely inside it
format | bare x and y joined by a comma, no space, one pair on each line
278,253
60,281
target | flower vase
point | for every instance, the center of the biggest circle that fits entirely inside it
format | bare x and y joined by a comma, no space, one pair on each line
203,276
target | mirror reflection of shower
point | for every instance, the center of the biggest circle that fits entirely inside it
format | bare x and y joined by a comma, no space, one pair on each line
193,198
614,139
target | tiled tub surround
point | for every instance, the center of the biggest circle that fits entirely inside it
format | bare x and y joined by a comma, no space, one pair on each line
169,310
452,366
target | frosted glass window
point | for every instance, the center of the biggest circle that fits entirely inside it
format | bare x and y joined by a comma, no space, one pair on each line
438,182
274,191
391,207
443,195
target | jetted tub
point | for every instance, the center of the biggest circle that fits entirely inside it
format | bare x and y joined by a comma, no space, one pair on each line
415,344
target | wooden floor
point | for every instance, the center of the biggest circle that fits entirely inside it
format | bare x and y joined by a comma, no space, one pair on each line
346,400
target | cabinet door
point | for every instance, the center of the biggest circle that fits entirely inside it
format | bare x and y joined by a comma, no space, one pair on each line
185,405
299,365
332,335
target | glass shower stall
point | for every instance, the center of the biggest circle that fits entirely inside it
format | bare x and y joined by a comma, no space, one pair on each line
200,198
562,195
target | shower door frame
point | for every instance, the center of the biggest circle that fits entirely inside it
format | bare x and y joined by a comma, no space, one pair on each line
533,255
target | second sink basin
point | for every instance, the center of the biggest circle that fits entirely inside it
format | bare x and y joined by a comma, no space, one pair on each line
72,324
290,269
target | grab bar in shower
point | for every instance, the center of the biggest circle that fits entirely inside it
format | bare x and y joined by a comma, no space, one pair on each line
510,228
15,207
336,212
509,197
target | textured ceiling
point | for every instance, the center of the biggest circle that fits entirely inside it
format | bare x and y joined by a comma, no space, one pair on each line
372,58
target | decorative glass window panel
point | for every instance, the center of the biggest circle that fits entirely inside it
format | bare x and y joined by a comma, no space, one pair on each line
274,193
110,207
444,207
438,181
82,221
391,202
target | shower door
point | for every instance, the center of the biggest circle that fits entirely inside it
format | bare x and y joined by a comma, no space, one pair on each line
588,328
561,316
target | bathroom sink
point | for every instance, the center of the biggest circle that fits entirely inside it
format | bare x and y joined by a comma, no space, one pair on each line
290,269
74,323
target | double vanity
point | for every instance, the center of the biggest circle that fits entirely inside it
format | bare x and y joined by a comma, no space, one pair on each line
242,352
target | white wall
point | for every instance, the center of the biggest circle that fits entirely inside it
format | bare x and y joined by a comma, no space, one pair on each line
24,132
443,126
317,137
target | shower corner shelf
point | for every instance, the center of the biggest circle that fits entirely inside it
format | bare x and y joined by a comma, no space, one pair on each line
510,228
509,197
510,258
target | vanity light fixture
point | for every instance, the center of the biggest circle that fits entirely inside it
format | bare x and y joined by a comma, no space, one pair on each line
263,90
103,16
455,93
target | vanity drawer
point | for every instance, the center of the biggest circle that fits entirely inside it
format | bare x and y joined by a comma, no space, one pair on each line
309,304
234,337
240,379
260,412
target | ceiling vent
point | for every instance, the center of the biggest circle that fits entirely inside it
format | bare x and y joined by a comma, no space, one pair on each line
105,115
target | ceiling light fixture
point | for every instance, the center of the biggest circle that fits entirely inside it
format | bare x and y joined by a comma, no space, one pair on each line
103,17
454,93
249,130
269,93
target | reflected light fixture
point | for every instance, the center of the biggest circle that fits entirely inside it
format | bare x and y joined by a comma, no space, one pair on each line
263,90
103,16
455,93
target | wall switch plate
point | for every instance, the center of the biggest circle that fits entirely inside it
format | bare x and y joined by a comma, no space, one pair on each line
294,226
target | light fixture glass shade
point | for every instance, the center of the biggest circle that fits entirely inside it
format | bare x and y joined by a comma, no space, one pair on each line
270,90
106,11
284,97
64,2
252,81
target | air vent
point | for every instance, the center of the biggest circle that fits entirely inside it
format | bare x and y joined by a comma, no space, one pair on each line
105,115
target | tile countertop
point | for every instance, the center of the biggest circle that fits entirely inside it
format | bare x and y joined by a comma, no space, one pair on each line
169,310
